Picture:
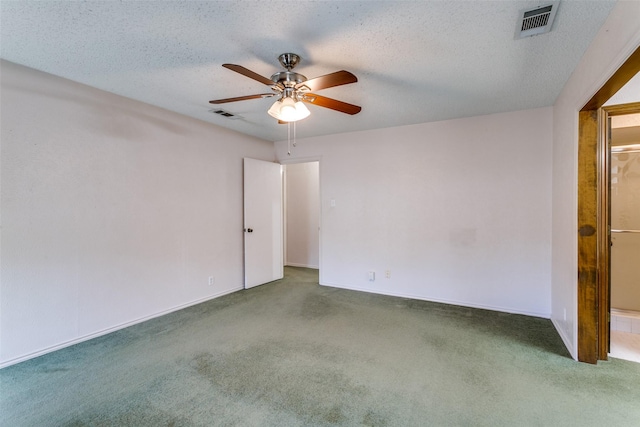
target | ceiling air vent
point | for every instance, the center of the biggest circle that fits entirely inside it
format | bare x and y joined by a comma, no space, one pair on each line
226,114
536,21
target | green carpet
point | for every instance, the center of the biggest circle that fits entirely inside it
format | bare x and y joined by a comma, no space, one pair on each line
294,353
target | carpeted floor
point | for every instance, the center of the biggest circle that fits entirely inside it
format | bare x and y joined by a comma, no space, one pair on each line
294,353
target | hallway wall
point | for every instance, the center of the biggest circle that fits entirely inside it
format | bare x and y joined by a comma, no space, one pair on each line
302,214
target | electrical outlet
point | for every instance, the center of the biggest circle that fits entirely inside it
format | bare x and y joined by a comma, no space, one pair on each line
565,314
387,274
211,281
372,276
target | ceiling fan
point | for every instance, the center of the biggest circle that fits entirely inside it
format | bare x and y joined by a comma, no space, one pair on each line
294,90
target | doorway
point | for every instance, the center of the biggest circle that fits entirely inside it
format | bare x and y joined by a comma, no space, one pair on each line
302,214
593,234
281,219
624,209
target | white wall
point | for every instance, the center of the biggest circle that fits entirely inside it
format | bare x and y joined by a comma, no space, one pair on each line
113,211
302,197
616,40
457,211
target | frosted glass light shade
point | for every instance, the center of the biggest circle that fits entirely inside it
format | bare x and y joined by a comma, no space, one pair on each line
288,110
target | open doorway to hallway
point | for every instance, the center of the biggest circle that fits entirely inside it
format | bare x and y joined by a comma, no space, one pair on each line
302,214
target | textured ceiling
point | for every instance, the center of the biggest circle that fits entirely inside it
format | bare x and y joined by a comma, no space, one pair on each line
416,61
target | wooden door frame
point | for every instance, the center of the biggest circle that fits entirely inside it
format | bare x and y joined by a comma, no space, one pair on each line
593,233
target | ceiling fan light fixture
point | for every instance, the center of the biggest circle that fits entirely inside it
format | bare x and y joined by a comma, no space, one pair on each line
294,90
288,110
301,110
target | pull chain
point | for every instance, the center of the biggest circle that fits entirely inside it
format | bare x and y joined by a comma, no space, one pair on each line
288,138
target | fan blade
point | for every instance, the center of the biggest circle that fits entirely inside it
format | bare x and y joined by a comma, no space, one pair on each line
246,72
329,80
241,98
334,104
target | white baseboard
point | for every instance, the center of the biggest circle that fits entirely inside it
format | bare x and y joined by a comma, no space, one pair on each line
443,301
102,332
293,264
565,338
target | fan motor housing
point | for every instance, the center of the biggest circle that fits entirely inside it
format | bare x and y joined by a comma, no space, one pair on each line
288,78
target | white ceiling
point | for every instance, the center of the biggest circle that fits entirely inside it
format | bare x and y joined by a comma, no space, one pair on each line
416,62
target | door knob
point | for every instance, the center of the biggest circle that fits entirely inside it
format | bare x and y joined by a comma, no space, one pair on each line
249,230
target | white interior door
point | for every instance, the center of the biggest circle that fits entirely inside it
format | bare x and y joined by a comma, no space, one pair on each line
263,236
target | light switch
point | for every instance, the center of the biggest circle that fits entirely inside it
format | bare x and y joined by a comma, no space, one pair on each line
333,203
